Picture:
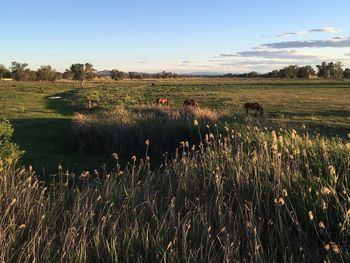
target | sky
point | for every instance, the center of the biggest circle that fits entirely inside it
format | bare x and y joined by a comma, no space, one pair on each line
182,36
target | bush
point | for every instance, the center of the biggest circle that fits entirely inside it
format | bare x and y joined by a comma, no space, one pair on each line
9,152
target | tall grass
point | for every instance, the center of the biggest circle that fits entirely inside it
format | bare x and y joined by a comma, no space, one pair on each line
247,195
124,130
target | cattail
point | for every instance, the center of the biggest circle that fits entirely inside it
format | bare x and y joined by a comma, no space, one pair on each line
23,226
311,216
327,247
325,191
14,200
321,225
280,139
254,157
285,193
335,248
348,213
169,246
331,170
85,174
279,201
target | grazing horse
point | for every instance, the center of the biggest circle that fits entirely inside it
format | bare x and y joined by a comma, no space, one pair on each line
162,101
191,103
254,106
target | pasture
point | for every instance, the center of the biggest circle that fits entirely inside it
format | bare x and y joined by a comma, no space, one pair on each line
43,126
231,187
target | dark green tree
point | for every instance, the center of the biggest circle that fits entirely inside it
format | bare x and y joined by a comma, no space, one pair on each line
306,72
116,74
46,73
4,72
18,71
330,70
81,72
289,72
346,73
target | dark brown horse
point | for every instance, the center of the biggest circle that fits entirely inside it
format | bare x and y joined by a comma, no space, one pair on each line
191,103
162,101
254,106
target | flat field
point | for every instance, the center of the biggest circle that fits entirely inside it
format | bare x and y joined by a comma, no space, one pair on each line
43,126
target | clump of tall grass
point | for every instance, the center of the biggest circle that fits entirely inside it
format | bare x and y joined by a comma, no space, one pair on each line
124,130
247,195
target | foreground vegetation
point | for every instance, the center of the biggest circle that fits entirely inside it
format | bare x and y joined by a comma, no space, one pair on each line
248,194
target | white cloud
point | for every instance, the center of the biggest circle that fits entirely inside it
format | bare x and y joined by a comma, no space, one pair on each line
336,42
303,33
324,30
285,54
227,55
287,34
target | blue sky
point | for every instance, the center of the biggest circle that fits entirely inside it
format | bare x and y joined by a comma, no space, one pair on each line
181,36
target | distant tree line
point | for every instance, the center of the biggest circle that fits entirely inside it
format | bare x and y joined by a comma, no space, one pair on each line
331,70
85,72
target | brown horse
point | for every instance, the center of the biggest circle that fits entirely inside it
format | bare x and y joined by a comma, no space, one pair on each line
254,106
162,101
191,103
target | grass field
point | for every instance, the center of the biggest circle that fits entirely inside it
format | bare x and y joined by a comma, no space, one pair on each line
43,126
232,188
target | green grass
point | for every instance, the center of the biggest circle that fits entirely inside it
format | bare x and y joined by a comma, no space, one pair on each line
247,195
42,126
249,189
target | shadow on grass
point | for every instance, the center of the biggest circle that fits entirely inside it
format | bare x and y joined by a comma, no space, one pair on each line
328,113
47,143
62,102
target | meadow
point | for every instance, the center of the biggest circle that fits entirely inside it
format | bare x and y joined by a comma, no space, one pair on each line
43,126
129,181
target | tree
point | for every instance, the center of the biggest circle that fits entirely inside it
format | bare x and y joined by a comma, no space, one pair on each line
346,73
337,71
116,74
289,72
18,71
252,74
330,70
46,73
273,74
67,74
131,75
323,71
4,72
81,72
306,72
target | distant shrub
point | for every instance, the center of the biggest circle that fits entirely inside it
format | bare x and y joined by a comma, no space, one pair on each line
9,152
